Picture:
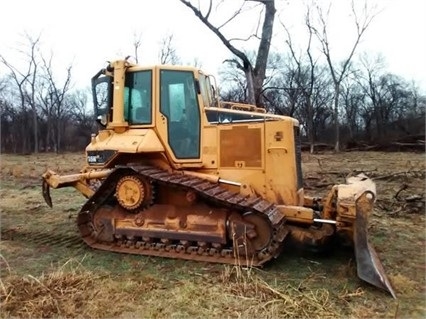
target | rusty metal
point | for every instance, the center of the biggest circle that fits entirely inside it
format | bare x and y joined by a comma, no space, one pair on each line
46,193
313,236
162,221
262,230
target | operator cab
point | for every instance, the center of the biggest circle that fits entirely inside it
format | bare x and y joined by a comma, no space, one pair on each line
173,93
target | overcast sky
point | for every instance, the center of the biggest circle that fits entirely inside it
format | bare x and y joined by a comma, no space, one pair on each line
88,33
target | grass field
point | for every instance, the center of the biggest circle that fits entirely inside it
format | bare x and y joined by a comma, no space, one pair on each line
46,270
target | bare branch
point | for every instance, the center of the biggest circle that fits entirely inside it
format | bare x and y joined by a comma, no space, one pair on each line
236,13
137,42
246,39
216,31
167,52
234,61
209,10
255,76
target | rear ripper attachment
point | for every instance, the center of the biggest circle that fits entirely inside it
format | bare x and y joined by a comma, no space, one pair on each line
78,181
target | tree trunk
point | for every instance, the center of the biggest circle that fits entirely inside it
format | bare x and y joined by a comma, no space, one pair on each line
254,76
58,136
35,131
251,98
336,117
310,126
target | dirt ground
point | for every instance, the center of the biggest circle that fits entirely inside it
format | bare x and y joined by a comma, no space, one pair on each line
46,270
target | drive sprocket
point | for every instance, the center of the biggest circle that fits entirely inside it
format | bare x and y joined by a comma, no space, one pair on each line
133,192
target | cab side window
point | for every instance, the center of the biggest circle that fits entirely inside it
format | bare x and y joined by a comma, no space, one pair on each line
138,97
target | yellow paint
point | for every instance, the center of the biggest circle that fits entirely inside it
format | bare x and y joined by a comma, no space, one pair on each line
130,141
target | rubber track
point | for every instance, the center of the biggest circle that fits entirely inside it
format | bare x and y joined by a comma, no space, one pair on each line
211,192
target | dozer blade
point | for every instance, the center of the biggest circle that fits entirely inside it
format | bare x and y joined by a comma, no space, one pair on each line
369,267
46,193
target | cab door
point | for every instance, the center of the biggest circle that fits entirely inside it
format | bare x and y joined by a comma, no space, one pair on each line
179,108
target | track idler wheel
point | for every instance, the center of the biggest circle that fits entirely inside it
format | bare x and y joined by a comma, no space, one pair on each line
133,192
250,233
262,232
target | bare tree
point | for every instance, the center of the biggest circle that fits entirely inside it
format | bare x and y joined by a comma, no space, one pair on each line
25,82
338,71
372,70
236,91
137,42
196,63
167,54
8,118
255,74
305,83
82,118
53,99
283,95
354,99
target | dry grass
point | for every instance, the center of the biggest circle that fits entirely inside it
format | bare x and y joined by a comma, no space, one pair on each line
71,291
79,293
56,294
264,300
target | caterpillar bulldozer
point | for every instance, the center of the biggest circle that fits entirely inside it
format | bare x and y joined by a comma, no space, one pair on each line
175,172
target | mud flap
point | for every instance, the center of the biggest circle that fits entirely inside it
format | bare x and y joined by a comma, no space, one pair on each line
369,267
46,193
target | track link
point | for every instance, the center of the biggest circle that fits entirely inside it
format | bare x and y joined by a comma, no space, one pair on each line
211,193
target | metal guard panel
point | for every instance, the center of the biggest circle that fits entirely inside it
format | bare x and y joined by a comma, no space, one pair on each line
241,146
131,141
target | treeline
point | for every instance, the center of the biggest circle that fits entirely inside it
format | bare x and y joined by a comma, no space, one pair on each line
360,98
376,107
40,111
49,126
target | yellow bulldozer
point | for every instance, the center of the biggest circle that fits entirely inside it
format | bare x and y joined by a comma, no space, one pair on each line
175,172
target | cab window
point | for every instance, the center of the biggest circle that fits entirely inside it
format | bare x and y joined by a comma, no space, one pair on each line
138,97
179,104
